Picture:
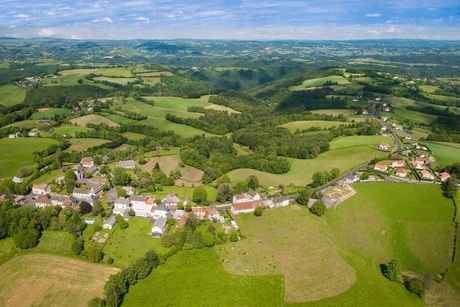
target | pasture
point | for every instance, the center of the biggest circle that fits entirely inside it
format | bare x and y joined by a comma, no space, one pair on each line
94,119
304,125
17,153
127,245
84,144
445,153
7,249
11,95
197,278
55,242
132,136
30,124
190,176
111,72
318,82
334,112
51,113
410,223
116,80
69,130
276,243
46,280
345,153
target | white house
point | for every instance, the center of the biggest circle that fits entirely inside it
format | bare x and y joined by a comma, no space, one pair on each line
121,206
42,201
87,162
282,201
159,227
171,201
246,197
83,195
60,200
41,189
142,205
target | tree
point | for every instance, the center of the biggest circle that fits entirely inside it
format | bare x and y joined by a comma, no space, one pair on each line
304,197
77,246
259,211
391,270
93,253
96,302
85,207
224,193
69,181
450,187
26,238
253,182
121,177
318,208
200,196
97,208
319,179
335,172
415,285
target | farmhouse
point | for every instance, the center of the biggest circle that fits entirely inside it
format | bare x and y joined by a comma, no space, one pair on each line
281,201
426,175
127,164
420,147
418,164
42,201
83,195
398,163
402,172
121,206
159,226
444,176
381,167
87,162
171,201
41,189
158,211
244,207
142,205
60,200
246,202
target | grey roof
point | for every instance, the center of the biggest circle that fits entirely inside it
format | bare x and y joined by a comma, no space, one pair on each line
160,222
123,201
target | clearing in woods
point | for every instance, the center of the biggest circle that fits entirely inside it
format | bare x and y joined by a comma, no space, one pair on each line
47,280
304,125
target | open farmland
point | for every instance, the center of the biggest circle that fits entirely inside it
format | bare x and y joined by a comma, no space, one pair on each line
11,95
345,153
275,244
16,153
197,278
84,144
45,280
332,80
95,119
190,176
51,113
445,153
304,125
69,130
334,112
114,72
121,81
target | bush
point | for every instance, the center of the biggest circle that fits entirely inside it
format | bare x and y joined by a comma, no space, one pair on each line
107,259
85,208
303,197
259,211
234,236
391,270
318,208
93,253
26,238
200,196
96,302
415,286
77,246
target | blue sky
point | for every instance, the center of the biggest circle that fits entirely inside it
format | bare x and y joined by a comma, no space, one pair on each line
231,19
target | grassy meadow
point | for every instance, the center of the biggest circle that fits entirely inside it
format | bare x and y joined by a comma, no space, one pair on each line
55,242
345,153
84,144
304,125
317,82
69,130
95,119
16,153
11,95
445,153
51,113
47,280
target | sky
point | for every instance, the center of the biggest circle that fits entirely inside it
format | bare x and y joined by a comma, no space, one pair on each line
231,19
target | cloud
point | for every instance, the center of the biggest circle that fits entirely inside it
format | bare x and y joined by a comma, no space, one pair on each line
142,19
373,15
46,32
22,16
103,19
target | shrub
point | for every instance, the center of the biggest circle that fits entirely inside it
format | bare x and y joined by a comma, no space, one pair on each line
234,236
415,285
77,246
96,302
107,259
200,195
318,208
303,197
85,208
93,253
391,270
121,222
26,238
259,211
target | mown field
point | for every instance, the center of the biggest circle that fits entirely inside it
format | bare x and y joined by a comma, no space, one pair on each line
16,153
46,280
339,80
445,153
304,125
345,153
11,95
69,130
84,144
128,245
95,119
50,113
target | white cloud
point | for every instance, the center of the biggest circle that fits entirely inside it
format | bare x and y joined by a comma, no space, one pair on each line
104,19
373,15
142,19
46,32
22,16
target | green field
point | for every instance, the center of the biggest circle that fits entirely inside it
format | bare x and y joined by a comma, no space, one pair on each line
186,192
7,249
121,81
47,280
334,112
56,242
167,105
133,136
197,278
128,245
345,153
84,144
51,113
30,124
49,176
339,80
445,153
94,119
410,223
114,72
69,130
11,95
304,125
16,153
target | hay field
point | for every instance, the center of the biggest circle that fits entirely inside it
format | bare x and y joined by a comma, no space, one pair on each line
95,119
11,95
304,125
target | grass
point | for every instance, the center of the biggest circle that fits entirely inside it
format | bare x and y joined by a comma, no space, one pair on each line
95,119
186,192
132,136
317,82
11,95
49,176
445,153
127,245
410,223
276,244
51,113
70,131
196,278
84,144
30,124
429,88
334,112
217,107
56,242
303,125
17,153
121,81
121,72
345,153
7,249
47,280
